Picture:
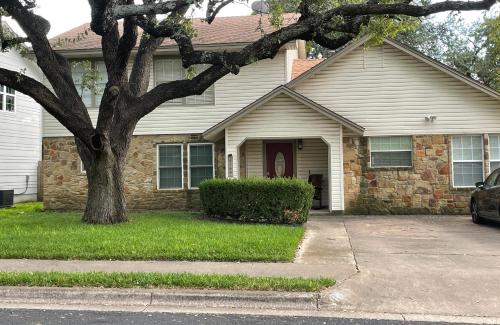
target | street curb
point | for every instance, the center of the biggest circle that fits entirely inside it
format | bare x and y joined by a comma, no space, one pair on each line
160,297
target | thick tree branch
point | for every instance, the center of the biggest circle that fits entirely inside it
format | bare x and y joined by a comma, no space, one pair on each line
42,95
54,66
152,8
177,89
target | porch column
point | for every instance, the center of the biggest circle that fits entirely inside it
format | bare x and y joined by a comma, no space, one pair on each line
232,156
335,171
330,178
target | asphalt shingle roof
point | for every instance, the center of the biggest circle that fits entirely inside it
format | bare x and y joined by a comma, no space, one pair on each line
223,30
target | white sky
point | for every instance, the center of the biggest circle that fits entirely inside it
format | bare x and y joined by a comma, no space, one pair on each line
67,14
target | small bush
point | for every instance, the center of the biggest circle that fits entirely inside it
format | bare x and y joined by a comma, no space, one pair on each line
263,200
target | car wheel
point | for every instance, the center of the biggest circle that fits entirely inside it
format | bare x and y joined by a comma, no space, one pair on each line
474,210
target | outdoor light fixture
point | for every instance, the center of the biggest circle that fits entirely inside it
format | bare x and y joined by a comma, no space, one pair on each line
300,145
430,118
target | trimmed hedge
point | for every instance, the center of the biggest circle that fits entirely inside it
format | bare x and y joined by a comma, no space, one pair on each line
256,199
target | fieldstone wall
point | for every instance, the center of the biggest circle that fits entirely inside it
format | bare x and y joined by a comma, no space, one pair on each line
65,187
424,188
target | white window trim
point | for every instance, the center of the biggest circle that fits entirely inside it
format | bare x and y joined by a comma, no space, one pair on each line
158,166
82,170
382,167
189,161
4,94
183,100
489,144
453,161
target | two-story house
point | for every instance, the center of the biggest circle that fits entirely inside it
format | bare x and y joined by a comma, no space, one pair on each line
20,131
379,124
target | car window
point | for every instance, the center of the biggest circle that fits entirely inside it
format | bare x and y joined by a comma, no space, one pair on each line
497,180
493,179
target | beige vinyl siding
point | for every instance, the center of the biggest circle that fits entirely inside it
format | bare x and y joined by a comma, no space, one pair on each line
284,118
390,92
232,93
313,159
20,133
254,158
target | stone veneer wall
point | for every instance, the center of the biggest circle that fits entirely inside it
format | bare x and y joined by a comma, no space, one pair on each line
424,188
65,187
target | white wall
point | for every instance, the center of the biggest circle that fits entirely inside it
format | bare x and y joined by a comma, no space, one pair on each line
232,93
389,92
20,135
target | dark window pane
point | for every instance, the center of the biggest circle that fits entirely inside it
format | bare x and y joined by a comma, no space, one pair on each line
391,159
198,174
170,178
170,156
10,103
200,155
467,173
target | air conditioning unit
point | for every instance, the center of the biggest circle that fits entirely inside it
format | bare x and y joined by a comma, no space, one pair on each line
6,198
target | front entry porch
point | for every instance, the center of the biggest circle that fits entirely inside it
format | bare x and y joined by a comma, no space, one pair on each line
286,157
286,134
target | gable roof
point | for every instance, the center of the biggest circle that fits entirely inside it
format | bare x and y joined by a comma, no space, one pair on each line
404,48
216,129
302,65
223,30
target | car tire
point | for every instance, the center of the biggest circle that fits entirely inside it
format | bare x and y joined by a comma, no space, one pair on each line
475,214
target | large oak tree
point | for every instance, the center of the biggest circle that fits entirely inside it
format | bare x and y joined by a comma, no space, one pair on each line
125,100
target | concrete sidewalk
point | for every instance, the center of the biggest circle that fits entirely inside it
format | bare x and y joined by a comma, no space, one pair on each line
324,252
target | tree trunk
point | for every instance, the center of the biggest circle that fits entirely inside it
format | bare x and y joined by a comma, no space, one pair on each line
105,196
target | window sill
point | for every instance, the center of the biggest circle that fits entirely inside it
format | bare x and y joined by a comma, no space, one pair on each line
389,168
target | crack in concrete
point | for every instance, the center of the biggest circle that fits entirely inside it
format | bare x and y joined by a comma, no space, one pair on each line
149,304
350,245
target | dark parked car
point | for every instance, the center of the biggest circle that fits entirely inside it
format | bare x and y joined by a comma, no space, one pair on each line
485,200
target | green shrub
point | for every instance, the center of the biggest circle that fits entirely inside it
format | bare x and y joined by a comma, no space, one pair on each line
263,200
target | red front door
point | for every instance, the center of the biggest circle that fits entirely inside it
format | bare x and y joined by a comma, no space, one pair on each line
279,159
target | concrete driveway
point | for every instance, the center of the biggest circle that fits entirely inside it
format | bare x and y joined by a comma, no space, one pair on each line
440,265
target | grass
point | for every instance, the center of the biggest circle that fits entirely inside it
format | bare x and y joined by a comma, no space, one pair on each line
26,231
162,280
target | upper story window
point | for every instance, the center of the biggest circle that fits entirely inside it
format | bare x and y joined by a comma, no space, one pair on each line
467,157
170,69
393,151
7,99
90,78
494,152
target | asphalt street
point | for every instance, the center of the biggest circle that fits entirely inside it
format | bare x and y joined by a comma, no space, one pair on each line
43,317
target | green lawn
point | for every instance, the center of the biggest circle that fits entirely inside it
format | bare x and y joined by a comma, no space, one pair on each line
162,280
26,231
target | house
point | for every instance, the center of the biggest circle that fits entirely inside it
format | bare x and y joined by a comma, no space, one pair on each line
381,124
20,131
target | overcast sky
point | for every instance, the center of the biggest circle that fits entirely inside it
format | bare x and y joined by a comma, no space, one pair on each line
67,14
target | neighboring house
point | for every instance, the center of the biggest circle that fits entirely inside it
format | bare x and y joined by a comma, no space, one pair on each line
20,132
381,124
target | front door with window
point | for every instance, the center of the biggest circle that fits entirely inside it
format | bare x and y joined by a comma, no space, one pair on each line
279,159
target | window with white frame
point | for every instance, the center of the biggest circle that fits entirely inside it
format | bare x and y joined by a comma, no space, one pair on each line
80,70
494,152
392,151
170,170
201,163
169,69
7,99
467,157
